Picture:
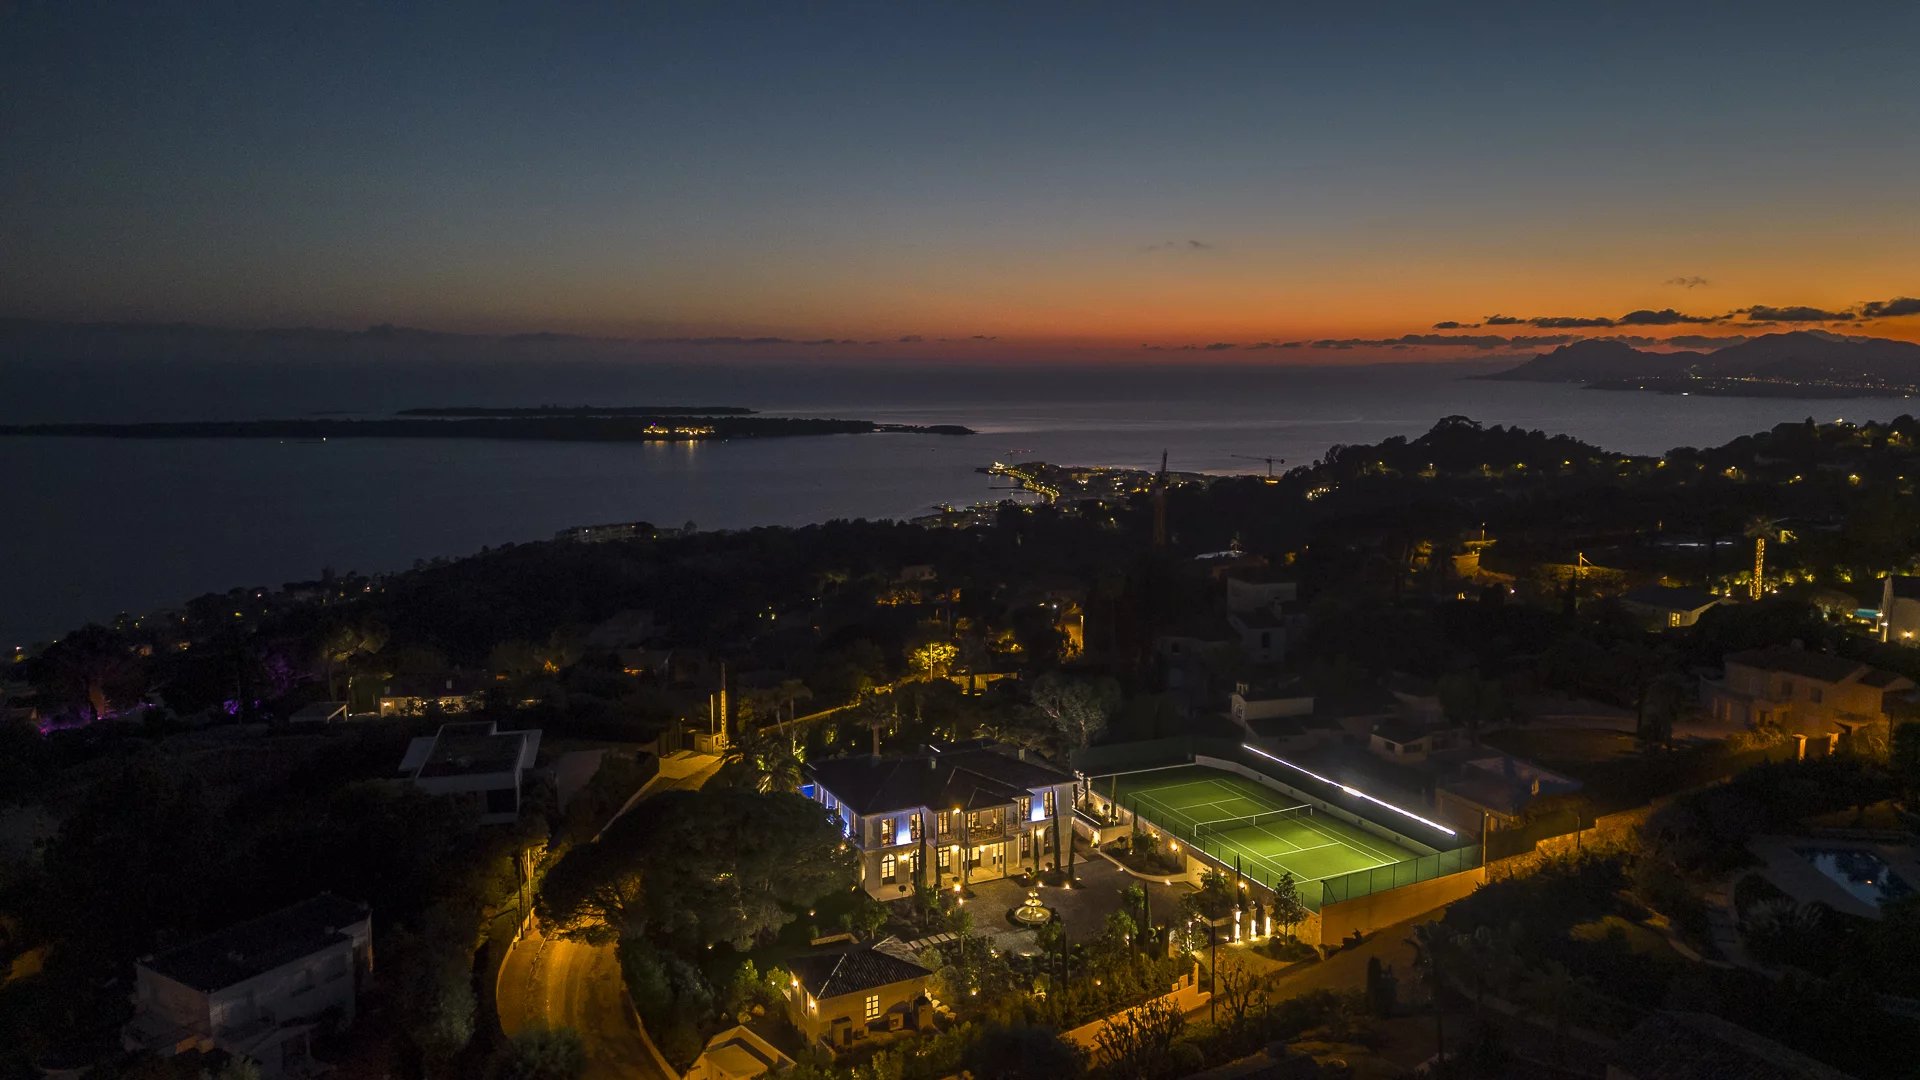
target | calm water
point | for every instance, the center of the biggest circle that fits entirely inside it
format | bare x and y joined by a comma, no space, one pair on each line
93,527
1864,875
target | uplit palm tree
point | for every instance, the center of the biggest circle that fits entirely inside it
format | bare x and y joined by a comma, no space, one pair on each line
1760,530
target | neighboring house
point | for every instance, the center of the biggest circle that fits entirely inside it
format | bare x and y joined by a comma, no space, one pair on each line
1698,1046
974,811
1498,788
1800,692
477,762
255,990
320,712
610,532
841,996
1900,610
1663,607
738,1053
1262,635
1411,741
418,695
1251,702
1244,594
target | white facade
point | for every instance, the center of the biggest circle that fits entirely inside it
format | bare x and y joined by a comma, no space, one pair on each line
256,990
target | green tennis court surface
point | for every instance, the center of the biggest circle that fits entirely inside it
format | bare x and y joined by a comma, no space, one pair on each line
1228,815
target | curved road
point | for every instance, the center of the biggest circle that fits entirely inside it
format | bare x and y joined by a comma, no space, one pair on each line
553,982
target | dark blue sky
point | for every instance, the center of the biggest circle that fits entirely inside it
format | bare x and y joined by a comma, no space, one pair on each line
1093,172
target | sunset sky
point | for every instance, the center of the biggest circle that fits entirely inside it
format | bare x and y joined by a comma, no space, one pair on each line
1096,178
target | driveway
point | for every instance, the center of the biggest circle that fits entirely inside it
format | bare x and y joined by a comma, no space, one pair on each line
559,983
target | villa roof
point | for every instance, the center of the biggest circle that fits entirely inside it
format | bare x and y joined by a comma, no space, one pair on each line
1670,599
1813,665
849,971
260,945
968,777
1697,1046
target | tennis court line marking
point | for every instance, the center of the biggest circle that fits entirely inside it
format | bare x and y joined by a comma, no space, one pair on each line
1372,851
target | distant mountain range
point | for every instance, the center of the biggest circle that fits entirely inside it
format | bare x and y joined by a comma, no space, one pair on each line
1803,363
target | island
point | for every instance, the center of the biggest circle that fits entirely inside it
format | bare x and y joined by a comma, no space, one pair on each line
566,427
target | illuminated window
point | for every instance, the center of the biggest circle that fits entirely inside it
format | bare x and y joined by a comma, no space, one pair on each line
945,857
913,826
1025,804
1026,842
886,830
1048,803
887,867
873,1007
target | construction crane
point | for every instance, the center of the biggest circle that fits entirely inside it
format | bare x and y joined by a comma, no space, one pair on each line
1271,462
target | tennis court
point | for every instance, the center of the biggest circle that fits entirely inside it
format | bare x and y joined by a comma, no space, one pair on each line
1227,815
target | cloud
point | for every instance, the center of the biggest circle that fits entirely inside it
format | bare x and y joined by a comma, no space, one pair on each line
1503,320
1221,346
1760,312
1451,325
1888,309
911,339
1180,245
1568,322
1686,282
985,337
1663,317
1265,345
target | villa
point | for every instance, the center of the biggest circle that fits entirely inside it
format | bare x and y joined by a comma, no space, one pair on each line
839,997
257,990
972,812
1806,694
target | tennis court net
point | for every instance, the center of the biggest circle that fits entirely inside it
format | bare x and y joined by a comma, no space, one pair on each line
1184,822
1249,821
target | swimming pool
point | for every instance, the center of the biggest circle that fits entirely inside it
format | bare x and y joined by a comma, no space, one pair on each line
1865,875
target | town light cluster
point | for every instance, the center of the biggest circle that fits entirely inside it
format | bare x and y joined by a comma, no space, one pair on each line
1350,790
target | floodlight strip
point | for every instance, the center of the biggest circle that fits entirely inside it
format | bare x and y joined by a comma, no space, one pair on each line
1350,790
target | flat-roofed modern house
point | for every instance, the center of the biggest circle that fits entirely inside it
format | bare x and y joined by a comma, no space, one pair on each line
320,712
255,990
1900,609
975,811
1802,693
738,1053
477,762
848,994
1666,608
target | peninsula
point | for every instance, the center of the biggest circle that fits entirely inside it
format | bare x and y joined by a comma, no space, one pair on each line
1801,364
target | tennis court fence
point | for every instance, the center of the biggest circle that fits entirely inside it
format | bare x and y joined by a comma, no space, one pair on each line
1204,838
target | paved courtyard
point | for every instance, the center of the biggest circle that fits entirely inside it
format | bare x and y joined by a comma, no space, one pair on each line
1083,910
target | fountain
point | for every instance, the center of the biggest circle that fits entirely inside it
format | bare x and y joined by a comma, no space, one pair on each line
1032,912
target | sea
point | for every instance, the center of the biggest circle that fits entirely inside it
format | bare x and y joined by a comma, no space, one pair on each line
90,528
